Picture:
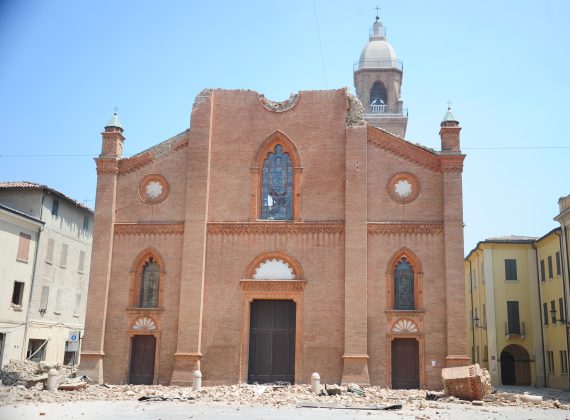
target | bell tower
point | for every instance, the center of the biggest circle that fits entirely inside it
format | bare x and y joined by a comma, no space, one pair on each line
378,80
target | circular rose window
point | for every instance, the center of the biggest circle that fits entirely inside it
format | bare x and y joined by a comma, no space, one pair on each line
403,187
153,189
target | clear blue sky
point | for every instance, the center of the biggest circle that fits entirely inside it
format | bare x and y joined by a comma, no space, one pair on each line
505,65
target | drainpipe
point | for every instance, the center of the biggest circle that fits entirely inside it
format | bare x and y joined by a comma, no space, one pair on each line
564,300
472,312
540,313
25,339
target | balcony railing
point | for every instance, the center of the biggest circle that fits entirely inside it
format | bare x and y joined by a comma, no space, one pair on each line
378,64
515,329
379,110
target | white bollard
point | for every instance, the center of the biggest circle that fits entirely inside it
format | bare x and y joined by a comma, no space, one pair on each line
315,383
52,380
197,383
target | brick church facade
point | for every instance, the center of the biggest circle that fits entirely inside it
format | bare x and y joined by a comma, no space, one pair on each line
272,240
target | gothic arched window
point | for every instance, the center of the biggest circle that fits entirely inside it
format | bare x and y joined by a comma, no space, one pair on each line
404,285
150,279
277,186
378,94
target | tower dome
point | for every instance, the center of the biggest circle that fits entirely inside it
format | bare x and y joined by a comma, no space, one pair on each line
378,53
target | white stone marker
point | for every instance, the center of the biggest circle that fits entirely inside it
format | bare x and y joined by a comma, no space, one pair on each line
316,383
52,380
197,383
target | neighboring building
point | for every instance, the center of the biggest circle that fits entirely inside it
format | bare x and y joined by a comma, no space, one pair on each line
272,240
60,283
18,241
516,310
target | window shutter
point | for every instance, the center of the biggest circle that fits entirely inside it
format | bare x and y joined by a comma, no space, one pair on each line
545,313
59,300
49,255
542,271
55,208
24,247
44,298
77,304
561,308
550,274
513,317
81,261
63,258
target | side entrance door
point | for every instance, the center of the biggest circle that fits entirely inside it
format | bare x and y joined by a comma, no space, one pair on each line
272,341
508,376
405,363
143,348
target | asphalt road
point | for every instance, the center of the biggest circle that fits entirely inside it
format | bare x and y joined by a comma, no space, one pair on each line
166,410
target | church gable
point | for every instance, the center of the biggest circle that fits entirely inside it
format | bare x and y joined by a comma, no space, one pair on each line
404,149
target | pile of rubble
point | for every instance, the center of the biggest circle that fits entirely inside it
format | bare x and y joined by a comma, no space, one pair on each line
29,373
19,387
255,395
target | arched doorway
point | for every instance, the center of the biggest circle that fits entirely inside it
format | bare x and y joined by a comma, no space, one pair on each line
515,366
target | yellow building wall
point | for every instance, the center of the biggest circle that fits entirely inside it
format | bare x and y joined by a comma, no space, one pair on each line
551,289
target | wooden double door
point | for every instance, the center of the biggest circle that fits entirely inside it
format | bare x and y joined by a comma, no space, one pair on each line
272,341
143,348
405,363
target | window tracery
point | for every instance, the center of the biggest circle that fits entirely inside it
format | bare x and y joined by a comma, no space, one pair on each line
149,284
404,285
277,186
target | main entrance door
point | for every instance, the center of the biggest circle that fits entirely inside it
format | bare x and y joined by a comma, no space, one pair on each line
142,359
405,363
272,341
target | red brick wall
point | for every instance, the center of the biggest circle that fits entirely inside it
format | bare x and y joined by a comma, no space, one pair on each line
210,180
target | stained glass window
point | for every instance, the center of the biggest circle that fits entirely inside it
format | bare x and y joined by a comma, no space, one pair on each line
277,186
149,285
404,285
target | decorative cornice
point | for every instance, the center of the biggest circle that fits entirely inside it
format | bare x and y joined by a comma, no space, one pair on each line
107,166
452,163
149,229
404,149
274,228
272,285
133,163
405,229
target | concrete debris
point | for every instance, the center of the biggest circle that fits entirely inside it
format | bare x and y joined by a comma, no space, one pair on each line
72,386
535,399
477,402
355,389
412,402
332,389
466,382
434,395
29,373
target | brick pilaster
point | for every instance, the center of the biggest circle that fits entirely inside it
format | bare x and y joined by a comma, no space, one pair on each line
189,342
93,347
355,366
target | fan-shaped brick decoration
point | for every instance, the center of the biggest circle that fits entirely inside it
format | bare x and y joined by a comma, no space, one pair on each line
274,269
405,326
144,323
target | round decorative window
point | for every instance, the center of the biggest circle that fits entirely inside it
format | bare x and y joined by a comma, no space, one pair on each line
403,187
153,189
